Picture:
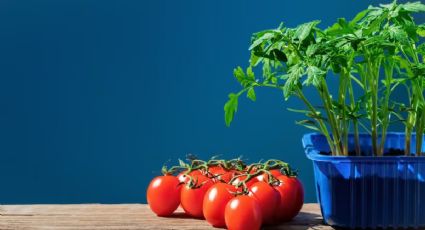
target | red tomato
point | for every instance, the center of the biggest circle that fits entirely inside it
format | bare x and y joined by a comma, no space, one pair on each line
183,178
241,178
291,198
268,199
192,198
163,195
243,213
220,174
265,177
215,201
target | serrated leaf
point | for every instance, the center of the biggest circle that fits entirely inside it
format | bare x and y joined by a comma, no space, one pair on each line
314,75
239,74
421,30
359,16
312,49
230,108
279,55
304,30
397,33
292,80
251,94
249,73
254,59
261,39
413,7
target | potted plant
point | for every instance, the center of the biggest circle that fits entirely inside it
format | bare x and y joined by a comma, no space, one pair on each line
366,176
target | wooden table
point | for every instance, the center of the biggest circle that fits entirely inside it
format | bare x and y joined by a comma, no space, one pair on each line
122,216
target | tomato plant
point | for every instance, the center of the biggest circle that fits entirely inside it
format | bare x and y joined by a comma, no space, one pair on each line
243,213
192,195
215,201
268,199
291,198
163,195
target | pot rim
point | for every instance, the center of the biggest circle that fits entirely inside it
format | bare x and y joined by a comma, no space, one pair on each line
314,154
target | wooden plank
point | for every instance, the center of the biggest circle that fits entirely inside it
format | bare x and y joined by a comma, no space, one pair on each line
122,216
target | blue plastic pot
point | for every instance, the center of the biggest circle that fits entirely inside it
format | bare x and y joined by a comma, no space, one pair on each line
368,192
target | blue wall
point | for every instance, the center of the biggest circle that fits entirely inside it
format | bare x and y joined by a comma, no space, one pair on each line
96,95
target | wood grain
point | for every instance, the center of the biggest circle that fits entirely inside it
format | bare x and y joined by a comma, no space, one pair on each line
122,216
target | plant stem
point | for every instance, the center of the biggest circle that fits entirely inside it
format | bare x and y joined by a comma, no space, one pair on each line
343,120
388,69
373,81
322,125
326,98
355,123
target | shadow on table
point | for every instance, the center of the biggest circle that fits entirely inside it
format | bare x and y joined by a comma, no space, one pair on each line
304,220
182,215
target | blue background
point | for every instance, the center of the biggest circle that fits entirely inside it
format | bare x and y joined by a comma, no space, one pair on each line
96,95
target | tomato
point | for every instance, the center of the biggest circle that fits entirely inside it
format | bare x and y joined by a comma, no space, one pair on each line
163,195
244,213
268,199
248,183
183,178
192,198
291,198
265,177
215,201
221,174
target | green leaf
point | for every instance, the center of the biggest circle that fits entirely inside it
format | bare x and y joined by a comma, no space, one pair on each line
251,94
312,49
239,74
421,30
421,48
230,108
314,75
359,16
397,33
260,40
308,124
413,7
250,75
244,79
292,80
304,30
279,55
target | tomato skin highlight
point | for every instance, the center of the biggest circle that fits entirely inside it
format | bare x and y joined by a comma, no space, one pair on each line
215,201
184,178
291,198
163,195
265,177
268,199
192,198
243,213
242,178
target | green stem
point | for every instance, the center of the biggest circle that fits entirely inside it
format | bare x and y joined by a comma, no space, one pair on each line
327,101
343,121
419,132
373,80
355,123
388,69
322,125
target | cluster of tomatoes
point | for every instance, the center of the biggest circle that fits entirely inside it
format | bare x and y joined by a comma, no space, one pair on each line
229,193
